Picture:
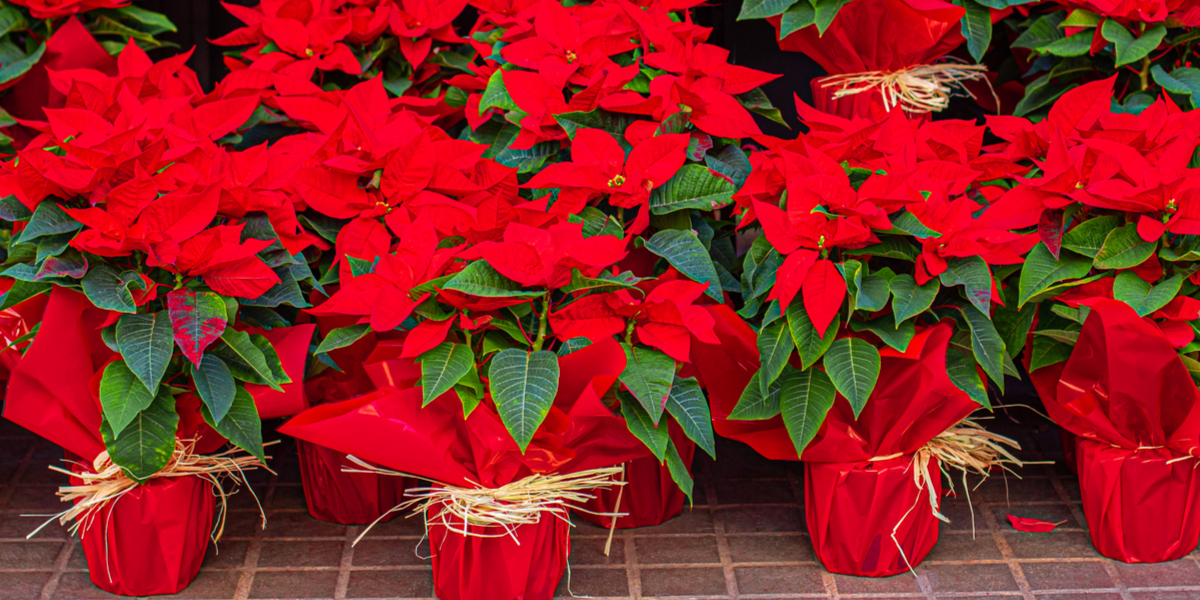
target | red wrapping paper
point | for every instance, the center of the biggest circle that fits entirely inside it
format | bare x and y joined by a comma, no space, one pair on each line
1128,397
500,568
16,322
852,510
291,343
151,540
346,498
876,35
651,497
852,503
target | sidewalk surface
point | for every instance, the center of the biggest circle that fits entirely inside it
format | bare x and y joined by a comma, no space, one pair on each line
744,538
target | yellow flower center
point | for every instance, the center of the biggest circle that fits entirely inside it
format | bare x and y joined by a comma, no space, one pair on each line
570,56
308,51
617,181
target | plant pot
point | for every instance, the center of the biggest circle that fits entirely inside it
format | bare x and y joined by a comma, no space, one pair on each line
853,508
346,498
650,497
499,568
151,540
1068,441
1139,509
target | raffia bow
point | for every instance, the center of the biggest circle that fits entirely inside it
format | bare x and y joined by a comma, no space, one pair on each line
966,447
473,511
106,483
919,89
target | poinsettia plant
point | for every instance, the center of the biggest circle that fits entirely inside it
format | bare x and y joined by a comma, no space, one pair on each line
131,195
1147,46
1114,199
870,237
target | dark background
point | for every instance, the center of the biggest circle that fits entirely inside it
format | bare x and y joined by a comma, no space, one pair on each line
750,43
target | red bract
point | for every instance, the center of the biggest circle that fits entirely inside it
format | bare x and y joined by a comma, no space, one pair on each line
53,9
307,30
545,257
962,236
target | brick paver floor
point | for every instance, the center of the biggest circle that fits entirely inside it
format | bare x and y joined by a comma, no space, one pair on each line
744,538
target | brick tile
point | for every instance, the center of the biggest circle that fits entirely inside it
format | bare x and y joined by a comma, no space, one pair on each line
748,519
959,512
771,548
388,553
802,579
1101,596
17,527
670,550
1067,576
391,584
401,526
288,497
1057,544
1166,594
78,586
739,461
1010,489
960,546
975,578
226,555
1055,513
294,584
211,585
691,520
21,586
593,582
19,555
301,554
34,499
683,582
1175,573
293,525
903,583
590,551
754,492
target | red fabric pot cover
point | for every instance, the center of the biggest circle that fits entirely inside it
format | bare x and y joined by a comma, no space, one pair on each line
1125,393
500,568
650,497
346,498
151,540
1139,509
852,509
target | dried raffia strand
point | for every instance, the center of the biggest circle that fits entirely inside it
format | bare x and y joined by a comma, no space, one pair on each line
966,447
919,89
106,483
471,511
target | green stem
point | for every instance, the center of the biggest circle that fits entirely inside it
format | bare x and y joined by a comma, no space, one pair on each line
537,344
1144,75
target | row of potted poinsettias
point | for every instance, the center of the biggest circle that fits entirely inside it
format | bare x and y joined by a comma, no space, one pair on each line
552,310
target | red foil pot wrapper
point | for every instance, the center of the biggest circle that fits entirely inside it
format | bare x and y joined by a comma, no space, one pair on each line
151,540
346,498
853,508
649,497
499,568
1139,508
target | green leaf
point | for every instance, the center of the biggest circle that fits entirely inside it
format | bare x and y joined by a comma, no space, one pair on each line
1128,49
442,367
22,291
241,424
215,385
986,344
1088,237
470,390
693,186
1043,32
1123,248
154,22
890,246
775,346
11,20
614,123
805,400
810,345
897,338
1134,291
642,427
1182,80
572,345
496,94
107,289
274,364
1041,270
827,10
961,369
679,470
689,406
753,405
799,16
1082,18
343,337
245,359
523,386
11,209
1046,352
872,293
607,283
910,299
972,273
1076,45
761,9
648,375
976,28
197,320
48,219
122,396
685,252
146,343
11,71
149,439
853,366
731,162
1040,93
480,279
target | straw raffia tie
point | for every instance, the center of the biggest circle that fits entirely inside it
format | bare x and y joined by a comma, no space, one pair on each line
106,483
475,511
966,447
919,89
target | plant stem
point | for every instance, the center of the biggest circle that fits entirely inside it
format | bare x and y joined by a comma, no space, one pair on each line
537,344
1144,75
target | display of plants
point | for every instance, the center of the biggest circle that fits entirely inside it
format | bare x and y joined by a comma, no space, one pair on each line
507,264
